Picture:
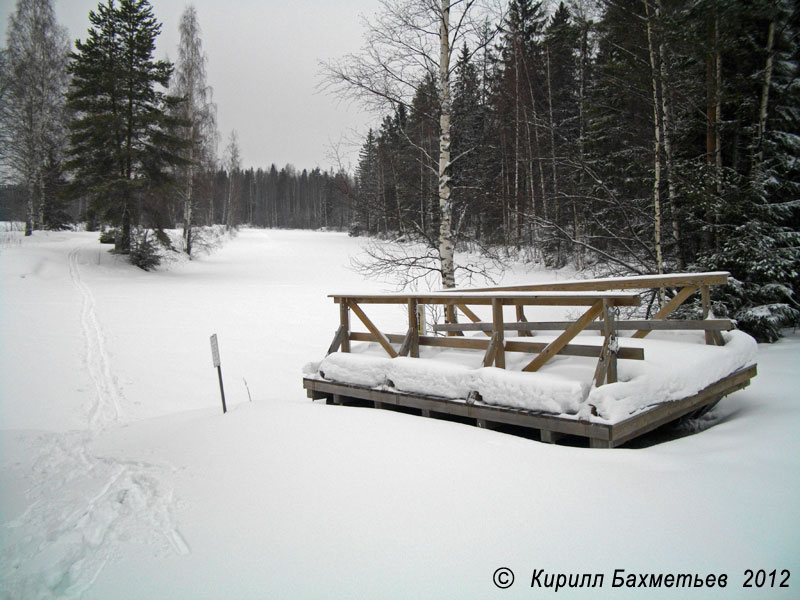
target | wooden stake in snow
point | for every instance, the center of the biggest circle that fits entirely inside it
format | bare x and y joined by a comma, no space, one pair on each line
218,365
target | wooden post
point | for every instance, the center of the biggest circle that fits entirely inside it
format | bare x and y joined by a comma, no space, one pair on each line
450,317
712,337
497,334
413,327
613,344
344,323
521,318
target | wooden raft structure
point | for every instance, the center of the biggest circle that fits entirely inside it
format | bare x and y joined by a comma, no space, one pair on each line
600,300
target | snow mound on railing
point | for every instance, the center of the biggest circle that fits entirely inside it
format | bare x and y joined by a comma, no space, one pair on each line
671,370
530,391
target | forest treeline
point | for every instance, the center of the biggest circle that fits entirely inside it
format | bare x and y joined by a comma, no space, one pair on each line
632,136
645,136
571,129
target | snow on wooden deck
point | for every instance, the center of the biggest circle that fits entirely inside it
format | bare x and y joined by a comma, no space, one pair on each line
675,366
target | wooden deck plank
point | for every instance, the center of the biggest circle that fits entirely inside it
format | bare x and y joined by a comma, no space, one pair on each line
663,413
477,410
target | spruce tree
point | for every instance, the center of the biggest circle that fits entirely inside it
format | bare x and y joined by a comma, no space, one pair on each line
123,140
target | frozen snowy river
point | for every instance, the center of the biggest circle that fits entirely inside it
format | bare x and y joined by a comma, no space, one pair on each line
120,477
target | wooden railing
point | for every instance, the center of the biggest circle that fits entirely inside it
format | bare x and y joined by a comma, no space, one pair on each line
600,297
685,284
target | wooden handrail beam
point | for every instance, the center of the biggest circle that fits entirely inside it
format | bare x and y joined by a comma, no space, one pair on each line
630,325
505,298
587,350
638,282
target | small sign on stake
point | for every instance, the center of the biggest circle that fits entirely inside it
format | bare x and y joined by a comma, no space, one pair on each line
218,365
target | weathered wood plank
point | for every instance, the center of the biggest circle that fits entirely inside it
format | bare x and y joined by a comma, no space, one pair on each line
586,350
550,437
380,337
705,302
491,352
497,334
624,325
521,331
558,344
472,317
610,354
413,327
506,298
405,347
551,426
477,410
661,414
337,340
344,323
601,370
617,283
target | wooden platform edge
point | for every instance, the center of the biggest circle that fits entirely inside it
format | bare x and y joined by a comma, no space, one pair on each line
551,427
663,413
462,408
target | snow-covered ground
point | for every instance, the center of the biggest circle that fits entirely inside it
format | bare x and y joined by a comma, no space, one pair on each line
120,477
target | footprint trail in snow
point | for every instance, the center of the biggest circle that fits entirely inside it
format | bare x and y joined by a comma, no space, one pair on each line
82,508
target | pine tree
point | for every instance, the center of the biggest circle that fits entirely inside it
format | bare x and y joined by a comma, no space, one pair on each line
33,79
122,137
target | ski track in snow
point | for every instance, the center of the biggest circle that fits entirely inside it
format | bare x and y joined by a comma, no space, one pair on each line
82,508
109,398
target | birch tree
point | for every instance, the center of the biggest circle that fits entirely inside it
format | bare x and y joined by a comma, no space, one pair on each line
408,43
34,79
199,114
233,163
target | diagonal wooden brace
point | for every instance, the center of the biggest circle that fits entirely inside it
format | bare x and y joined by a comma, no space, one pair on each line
491,352
669,307
337,340
382,339
405,348
557,344
471,316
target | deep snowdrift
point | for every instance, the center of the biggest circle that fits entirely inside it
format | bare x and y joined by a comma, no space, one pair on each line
120,477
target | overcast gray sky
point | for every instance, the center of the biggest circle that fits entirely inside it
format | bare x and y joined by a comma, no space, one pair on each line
263,60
